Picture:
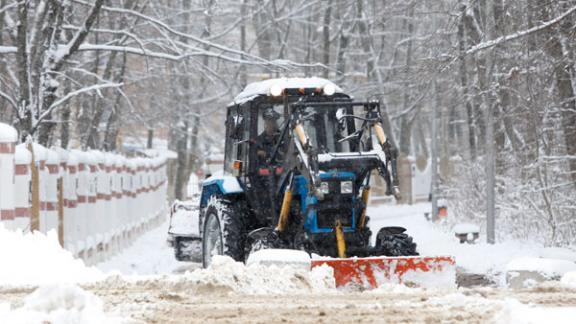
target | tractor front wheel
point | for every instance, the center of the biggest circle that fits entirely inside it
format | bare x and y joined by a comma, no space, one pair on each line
392,241
223,232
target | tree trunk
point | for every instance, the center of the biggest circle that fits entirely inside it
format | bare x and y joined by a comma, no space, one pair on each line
406,120
326,37
563,72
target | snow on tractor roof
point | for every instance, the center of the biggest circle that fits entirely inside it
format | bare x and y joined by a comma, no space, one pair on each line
256,89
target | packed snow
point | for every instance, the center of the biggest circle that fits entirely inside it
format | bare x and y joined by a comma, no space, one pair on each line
148,255
548,267
515,312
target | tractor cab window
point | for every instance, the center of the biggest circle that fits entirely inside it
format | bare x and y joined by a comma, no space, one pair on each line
271,121
324,130
237,131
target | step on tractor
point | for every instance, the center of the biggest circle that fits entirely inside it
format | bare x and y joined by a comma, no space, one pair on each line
299,158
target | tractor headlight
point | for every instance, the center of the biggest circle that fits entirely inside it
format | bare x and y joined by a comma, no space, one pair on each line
324,188
329,89
276,90
346,187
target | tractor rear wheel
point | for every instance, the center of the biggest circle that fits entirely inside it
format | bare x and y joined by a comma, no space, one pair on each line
392,241
223,232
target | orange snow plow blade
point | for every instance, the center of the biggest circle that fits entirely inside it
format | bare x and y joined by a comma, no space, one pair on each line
372,272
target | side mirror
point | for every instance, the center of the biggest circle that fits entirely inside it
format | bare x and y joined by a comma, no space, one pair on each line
340,113
340,118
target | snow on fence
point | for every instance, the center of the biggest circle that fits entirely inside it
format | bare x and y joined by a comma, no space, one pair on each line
97,202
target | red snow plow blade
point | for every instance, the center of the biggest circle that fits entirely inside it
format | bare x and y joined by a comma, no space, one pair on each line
372,272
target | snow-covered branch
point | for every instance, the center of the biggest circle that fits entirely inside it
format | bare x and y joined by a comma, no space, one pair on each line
520,34
70,95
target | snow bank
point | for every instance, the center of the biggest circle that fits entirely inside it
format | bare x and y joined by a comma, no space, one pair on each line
558,253
514,312
547,267
57,304
225,275
36,259
280,257
465,228
569,279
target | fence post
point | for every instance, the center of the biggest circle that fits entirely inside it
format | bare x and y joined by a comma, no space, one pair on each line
34,190
22,160
8,138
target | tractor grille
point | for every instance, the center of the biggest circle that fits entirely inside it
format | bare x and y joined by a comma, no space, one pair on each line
335,207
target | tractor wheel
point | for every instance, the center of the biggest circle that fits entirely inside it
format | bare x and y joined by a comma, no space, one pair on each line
223,231
392,241
261,239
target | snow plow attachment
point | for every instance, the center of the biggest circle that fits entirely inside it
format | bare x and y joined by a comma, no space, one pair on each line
371,272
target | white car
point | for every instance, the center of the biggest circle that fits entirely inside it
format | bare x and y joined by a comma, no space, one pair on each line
183,233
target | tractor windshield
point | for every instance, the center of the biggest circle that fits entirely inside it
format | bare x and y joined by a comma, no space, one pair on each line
327,133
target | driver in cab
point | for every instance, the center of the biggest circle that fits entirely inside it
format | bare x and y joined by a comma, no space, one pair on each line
267,140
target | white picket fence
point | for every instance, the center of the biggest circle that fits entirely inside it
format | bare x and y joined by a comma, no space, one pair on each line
105,202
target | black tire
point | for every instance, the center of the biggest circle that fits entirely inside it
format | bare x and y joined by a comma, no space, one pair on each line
392,241
261,239
227,220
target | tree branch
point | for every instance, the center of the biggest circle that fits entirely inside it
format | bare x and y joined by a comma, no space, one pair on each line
507,38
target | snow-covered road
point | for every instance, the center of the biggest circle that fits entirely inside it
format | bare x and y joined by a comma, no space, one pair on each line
148,255
145,284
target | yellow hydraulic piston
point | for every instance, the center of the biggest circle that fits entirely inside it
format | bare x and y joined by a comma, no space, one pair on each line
379,130
365,197
284,211
340,242
299,129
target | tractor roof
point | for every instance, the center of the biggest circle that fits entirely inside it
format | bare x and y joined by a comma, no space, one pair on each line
262,88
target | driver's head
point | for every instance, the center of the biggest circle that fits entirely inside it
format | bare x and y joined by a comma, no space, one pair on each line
270,117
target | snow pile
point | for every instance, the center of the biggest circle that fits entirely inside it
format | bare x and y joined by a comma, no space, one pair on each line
445,279
549,268
225,275
569,279
58,304
280,257
36,259
514,312
465,228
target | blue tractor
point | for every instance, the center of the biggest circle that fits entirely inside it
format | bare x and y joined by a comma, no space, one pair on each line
299,156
